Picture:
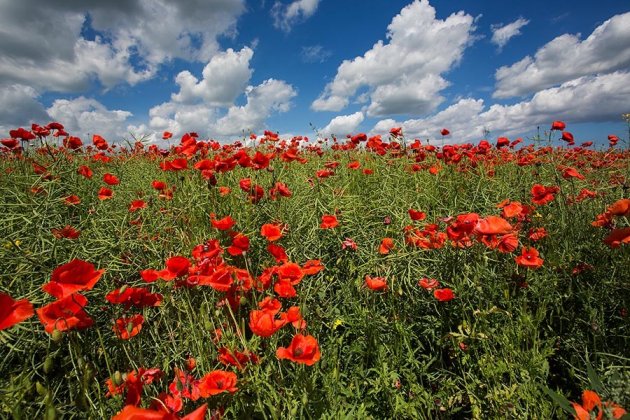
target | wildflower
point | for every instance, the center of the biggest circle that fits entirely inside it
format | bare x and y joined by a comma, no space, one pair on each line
529,258
329,222
303,349
13,311
72,277
443,295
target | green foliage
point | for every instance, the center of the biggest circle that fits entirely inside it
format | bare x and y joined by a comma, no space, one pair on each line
515,343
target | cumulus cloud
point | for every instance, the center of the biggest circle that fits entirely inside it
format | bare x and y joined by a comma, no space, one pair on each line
343,124
223,79
564,58
262,101
285,16
501,34
85,116
592,99
403,75
43,44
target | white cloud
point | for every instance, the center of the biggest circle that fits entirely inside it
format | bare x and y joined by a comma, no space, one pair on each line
43,47
565,58
286,16
404,74
343,124
591,98
84,116
224,78
501,34
262,101
314,54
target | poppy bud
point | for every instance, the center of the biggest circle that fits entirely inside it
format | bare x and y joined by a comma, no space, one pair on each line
51,413
117,378
48,364
57,336
41,389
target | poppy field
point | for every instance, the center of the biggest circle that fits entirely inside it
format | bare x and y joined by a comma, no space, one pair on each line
363,277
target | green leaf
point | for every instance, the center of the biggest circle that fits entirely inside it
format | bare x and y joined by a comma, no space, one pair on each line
559,399
593,378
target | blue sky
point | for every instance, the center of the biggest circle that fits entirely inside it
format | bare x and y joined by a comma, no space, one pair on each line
227,67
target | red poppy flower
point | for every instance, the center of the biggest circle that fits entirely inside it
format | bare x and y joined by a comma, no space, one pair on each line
72,277
10,143
99,142
502,142
376,283
613,140
620,208
111,179
176,266
568,137
270,305
150,275
445,132
85,171
618,237
354,165
312,267
240,245
529,258
131,412
217,382
223,191
396,131
222,224
158,185
67,232
278,253
72,142
329,222
271,231
105,193
417,215
512,209
558,125
72,200
127,327
536,234
303,349
572,173
493,225
236,358
387,244
138,297
13,311
443,295
284,288
542,195
264,323
428,284
167,135
137,205
65,314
